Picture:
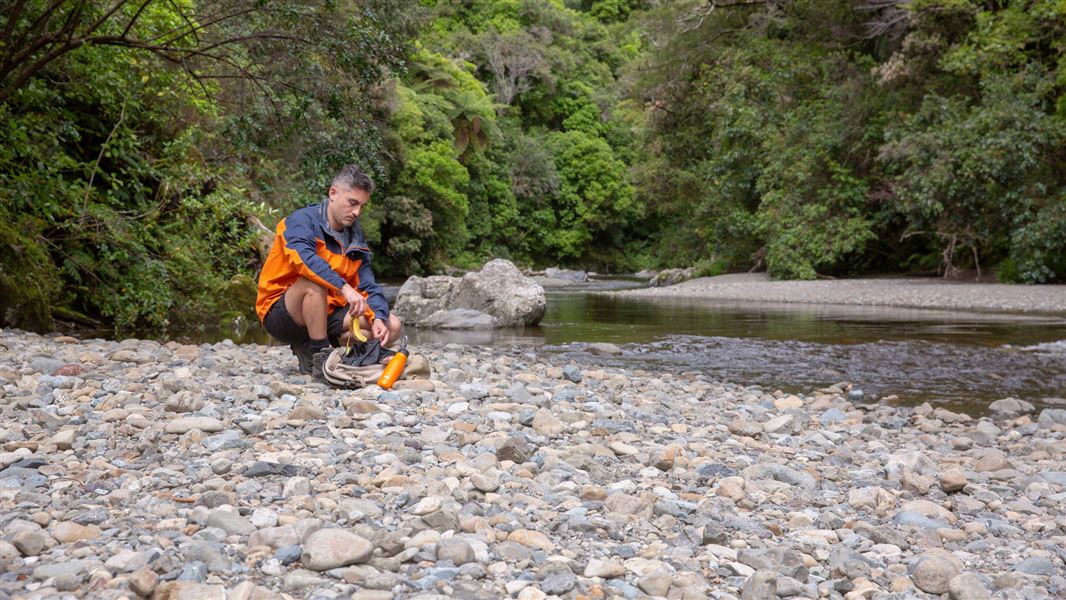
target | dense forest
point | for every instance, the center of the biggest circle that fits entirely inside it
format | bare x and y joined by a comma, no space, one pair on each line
144,144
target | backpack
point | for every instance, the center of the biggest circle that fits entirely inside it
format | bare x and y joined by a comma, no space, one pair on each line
363,364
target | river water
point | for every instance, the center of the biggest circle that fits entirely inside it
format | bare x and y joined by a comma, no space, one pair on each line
960,360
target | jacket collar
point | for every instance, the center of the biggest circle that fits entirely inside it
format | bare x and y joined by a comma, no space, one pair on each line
358,243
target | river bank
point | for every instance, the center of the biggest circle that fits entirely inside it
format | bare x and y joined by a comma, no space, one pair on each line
895,292
215,471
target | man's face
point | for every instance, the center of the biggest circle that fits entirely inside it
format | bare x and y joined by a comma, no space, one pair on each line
345,204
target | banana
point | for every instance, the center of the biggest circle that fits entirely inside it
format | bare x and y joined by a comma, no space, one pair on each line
356,331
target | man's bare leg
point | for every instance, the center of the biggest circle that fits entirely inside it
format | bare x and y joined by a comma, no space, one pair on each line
306,302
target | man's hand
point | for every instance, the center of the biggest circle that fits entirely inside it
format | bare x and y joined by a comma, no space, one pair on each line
356,301
380,330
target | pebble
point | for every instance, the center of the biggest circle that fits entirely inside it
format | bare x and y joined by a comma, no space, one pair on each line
456,551
187,424
159,470
952,480
531,539
143,582
967,586
603,568
66,532
932,572
327,549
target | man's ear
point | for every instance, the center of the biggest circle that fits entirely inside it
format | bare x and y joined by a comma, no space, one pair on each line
332,191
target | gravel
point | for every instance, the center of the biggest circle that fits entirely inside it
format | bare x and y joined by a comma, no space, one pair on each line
217,471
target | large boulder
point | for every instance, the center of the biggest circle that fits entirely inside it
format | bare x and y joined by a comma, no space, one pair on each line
560,278
499,290
671,277
567,274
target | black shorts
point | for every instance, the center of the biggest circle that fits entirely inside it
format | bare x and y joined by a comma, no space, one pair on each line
280,325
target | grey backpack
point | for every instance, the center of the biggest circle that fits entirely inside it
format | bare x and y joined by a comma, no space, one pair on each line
345,371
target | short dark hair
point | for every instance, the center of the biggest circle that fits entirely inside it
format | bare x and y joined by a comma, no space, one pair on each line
352,177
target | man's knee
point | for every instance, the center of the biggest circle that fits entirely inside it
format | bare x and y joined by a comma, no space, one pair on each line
307,288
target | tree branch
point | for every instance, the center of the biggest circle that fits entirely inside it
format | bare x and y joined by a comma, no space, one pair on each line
100,156
136,16
12,17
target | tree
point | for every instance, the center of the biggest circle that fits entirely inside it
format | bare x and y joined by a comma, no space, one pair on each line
204,41
514,59
138,138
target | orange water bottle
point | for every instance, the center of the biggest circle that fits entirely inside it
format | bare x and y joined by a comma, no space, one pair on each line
394,369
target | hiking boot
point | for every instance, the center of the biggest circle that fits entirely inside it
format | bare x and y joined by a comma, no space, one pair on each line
318,363
303,354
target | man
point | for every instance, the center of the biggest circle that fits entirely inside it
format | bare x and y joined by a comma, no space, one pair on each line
317,277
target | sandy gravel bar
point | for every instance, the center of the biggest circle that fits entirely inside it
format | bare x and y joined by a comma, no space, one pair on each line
898,292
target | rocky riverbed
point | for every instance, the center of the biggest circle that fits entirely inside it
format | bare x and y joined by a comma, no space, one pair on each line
139,469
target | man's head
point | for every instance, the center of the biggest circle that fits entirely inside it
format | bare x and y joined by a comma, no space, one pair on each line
348,193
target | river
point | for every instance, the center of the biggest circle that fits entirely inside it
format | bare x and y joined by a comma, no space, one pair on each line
960,360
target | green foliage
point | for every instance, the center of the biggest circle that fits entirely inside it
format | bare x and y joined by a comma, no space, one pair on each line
974,174
130,162
552,180
775,137
806,137
595,198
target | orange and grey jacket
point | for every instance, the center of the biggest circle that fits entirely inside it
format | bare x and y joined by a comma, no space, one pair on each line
304,247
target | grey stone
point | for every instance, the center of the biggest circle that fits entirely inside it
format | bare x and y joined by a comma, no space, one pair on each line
459,318
604,349
780,473
187,424
327,549
931,573
128,561
1036,565
845,562
456,551
568,274
1010,407
572,373
288,554
556,579
29,543
968,586
668,277
761,585
59,569
784,561
265,469
656,584
45,365
833,415
209,554
1052,416
512,552
515,449
231,522
909,518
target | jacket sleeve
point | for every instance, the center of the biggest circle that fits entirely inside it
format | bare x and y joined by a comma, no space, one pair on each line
375,295
300,242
